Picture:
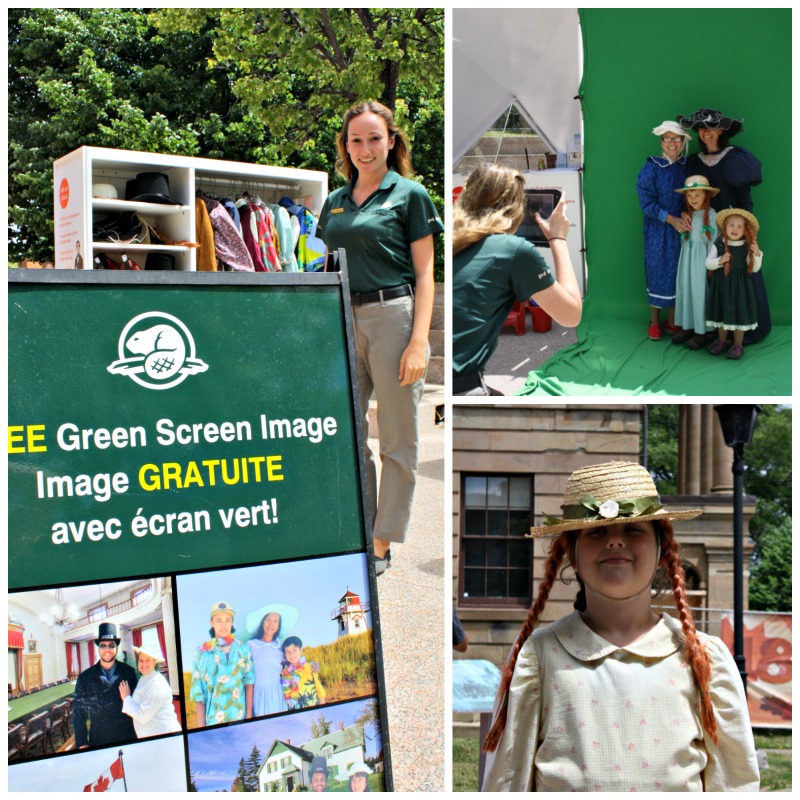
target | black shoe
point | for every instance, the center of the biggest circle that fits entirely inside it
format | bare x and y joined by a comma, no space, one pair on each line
697,342
682,337
381,565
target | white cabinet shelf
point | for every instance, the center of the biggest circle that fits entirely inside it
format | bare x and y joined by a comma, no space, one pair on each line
76,210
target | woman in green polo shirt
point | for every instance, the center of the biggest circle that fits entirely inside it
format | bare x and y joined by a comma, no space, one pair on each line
386,223
492,268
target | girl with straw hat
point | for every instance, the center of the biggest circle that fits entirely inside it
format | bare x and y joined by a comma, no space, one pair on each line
690,288
614,697
734,259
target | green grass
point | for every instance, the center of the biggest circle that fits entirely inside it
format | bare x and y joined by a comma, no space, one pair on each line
465,765
778,775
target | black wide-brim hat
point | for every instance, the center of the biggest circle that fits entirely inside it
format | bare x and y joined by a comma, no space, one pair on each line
149,187
107,632
713,120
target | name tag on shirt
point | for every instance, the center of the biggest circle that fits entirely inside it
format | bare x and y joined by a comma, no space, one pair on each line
337,210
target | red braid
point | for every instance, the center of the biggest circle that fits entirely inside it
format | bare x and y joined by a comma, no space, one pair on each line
558,550
696,655
750,236
727,252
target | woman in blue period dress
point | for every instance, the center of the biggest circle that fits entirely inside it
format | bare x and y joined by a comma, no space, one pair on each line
734,171
269,626
658,180
386,223
222,676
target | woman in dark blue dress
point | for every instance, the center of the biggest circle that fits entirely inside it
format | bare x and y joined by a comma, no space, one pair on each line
733,170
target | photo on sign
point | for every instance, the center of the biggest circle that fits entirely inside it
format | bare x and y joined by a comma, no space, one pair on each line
103,669
335,749
258,641
158,765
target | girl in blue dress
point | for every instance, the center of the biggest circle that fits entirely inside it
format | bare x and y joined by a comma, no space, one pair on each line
690,289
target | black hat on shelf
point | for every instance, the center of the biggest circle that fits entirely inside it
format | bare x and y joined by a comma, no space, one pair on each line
159,261
149,187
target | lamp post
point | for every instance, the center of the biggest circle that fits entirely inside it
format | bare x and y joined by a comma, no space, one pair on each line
738,424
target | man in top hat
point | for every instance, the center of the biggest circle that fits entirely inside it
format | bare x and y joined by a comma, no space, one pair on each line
97,709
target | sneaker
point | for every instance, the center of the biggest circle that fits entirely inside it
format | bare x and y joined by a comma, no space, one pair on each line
718,347
654,331
735,352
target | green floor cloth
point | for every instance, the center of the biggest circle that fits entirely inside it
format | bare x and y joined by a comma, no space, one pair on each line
615,357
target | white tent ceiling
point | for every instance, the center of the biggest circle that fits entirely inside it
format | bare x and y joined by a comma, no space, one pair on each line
529,57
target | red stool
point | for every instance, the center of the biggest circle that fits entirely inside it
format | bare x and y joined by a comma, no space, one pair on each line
541,320
516,319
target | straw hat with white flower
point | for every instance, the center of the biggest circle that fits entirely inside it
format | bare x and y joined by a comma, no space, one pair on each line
605,494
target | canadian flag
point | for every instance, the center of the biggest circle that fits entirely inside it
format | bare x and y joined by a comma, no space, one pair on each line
103,783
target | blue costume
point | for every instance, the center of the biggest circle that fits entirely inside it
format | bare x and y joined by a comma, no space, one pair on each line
656,187
690,306
267,690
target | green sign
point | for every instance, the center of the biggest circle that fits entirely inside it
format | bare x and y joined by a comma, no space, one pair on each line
186,497
177,426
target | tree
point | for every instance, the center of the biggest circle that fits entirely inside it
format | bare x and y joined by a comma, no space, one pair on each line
239,782
100,77
298,69
320,726
770,586
251,770
662,447
768,476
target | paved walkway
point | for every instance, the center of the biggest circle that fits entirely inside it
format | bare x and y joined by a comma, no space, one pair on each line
411,596
516,355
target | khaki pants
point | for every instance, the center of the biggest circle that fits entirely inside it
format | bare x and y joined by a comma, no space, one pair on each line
382,333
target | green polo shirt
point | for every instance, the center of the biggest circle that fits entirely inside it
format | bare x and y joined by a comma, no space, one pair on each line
487,278
377,236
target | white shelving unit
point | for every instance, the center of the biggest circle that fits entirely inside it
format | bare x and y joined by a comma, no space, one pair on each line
76,210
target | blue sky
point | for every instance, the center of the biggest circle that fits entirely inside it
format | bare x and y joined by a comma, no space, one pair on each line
150,766
313,587
214,754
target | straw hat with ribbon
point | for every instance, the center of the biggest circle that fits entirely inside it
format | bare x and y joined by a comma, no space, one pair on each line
737,212
698,182
605,494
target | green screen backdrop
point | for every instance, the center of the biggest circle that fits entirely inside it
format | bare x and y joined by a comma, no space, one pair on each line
643,66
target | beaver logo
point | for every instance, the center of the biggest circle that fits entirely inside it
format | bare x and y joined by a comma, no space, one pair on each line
162,348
